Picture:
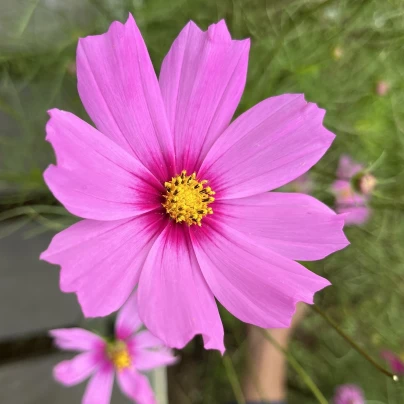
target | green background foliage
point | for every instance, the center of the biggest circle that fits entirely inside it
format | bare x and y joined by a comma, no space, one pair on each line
333,51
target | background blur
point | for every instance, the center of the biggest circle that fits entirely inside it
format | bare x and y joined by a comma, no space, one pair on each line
340,53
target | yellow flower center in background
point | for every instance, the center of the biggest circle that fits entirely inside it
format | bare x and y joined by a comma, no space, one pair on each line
346,192
119,355
187,199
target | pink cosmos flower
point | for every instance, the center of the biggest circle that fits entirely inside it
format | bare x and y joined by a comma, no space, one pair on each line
152,220
382,88
396,362
128,354
349,200
349,394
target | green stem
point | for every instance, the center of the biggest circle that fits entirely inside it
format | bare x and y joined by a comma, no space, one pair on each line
232,376
353,344
26,18
298,368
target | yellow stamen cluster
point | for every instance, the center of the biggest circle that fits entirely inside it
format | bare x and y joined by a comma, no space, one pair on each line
119,355
346,192
187,199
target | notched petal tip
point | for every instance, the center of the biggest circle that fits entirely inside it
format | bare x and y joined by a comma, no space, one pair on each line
130,18
313,111
50,124
51,112
311,107
48,172
321,284
209,342
48,175
113,26
217,347
44,256
343,217
219,32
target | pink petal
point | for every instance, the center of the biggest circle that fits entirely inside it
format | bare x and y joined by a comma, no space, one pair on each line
146,360
255,284
136,387
76,339
145,339
350,203
354,215
202,79
95,178
175,302
99,388
296,226
128,321
76,370
266,147
120,91
395,362
347,168
101,261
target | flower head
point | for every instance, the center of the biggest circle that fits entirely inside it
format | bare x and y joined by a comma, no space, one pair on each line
174,196
349,394
129,353
352,190
396,362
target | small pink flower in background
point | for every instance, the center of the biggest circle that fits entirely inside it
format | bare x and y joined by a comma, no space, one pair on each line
304,184
396,362
349,394
174,196
351,199
382,88
131,352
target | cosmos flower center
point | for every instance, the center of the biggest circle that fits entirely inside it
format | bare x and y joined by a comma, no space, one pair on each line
119,355
346,193
187,199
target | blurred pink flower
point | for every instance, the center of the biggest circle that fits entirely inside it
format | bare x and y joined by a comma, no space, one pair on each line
349,200
150,217
396,362
131,352
349,394
382,87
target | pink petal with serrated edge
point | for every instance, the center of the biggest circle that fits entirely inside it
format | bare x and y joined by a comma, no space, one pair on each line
268,146
120,91
296,226
202,79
